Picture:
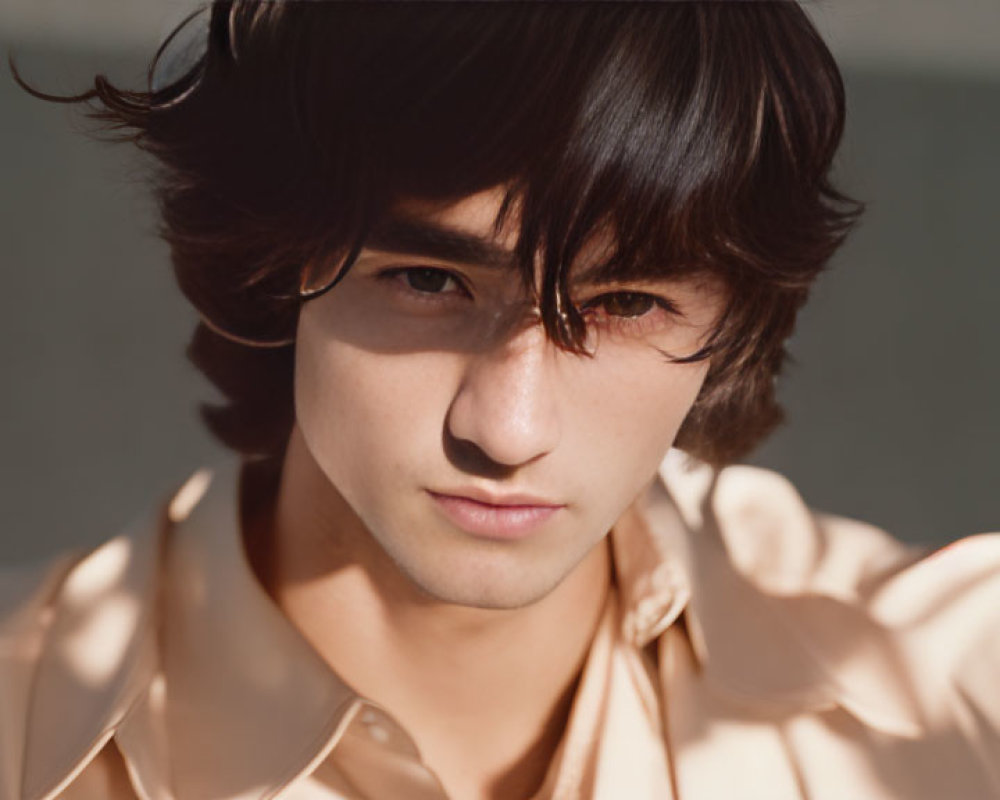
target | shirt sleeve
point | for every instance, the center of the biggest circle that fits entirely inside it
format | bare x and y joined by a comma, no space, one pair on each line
945,609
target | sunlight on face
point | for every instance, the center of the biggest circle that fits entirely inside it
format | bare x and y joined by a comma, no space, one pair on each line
484,460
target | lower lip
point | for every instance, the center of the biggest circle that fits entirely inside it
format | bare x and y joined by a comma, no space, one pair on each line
493,522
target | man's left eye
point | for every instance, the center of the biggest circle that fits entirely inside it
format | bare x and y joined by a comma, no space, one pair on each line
623,304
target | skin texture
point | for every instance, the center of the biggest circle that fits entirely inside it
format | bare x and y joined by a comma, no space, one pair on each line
412,383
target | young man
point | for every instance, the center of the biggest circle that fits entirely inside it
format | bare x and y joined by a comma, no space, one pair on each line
467,274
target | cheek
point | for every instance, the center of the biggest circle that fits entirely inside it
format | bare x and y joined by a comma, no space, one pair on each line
634,412
360,413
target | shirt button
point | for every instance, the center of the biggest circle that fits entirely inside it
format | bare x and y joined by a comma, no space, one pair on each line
376,729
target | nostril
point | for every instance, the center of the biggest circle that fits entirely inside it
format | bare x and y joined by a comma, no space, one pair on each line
471,459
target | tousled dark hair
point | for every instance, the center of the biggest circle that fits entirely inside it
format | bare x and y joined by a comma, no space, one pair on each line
701,135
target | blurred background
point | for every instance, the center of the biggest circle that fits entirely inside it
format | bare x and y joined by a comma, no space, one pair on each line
892,402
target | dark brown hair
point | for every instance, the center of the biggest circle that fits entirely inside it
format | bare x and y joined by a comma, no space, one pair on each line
700,134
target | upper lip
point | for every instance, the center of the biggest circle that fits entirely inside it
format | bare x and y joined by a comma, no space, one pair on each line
496,499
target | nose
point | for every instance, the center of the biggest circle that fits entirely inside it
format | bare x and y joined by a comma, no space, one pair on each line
506,404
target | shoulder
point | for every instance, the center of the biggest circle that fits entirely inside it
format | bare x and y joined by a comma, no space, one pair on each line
943,610
773,537
75,642
24,592
784,547
907,638
813,640
26,595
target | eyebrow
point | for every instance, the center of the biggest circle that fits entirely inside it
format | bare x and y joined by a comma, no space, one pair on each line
405,235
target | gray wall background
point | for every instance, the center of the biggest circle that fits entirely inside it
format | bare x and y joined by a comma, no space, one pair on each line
892,402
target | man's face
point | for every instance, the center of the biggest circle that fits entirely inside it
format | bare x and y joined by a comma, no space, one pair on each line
483,460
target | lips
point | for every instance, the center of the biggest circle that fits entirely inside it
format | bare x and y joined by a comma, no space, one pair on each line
489,516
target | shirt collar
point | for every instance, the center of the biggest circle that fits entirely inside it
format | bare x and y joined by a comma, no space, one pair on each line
734,552
248,702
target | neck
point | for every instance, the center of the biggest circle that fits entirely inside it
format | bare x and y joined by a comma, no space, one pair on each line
484,692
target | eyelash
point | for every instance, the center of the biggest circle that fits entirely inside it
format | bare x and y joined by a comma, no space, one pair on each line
394,275
647,322
641,323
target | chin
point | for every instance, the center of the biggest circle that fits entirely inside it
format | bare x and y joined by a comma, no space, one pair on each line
480,585
496,598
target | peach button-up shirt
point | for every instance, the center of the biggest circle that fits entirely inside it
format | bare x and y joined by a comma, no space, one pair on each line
749,649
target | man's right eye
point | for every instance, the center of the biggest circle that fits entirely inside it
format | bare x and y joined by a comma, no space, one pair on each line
427,279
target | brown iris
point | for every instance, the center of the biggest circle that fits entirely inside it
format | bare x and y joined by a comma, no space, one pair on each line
625,304
427,280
